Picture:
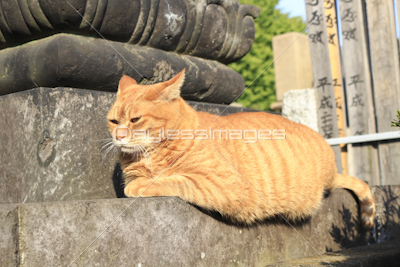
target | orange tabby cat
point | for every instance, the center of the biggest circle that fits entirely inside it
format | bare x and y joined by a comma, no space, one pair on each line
244,180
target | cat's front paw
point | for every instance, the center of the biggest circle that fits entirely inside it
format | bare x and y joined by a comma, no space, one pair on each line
136,189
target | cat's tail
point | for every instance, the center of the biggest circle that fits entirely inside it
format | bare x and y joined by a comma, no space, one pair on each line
364,194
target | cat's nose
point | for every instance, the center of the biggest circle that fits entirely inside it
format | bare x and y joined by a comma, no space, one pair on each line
120,137
121,134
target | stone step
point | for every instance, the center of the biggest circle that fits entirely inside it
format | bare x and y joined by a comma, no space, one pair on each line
170,232
384,254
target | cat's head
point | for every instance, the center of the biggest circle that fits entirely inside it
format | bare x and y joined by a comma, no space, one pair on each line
141,111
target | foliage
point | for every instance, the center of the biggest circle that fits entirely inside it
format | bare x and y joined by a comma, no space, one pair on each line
396,123
261,93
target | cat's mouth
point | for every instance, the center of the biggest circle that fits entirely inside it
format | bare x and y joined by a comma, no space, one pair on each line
128,149
132,149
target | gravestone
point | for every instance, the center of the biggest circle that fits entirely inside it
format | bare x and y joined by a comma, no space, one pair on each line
292,63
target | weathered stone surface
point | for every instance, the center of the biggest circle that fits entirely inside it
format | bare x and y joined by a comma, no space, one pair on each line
169,232
384,254
221,30
50,148
91,63
9,242
300,106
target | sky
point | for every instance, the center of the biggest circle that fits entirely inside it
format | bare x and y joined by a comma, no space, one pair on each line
293,7
298,8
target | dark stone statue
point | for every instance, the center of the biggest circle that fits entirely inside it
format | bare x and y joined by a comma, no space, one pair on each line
90,44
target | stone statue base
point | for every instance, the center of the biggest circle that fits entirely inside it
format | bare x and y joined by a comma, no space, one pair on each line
85,62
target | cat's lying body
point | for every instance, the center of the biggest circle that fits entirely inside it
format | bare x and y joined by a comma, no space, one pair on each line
243,181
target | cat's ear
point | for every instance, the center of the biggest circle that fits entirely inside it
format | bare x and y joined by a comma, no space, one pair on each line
173,87
125,82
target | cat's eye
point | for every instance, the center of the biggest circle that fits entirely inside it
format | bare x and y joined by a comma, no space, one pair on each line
135,119
114,121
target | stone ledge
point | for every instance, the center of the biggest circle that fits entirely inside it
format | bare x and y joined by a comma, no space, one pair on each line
169,232
384,254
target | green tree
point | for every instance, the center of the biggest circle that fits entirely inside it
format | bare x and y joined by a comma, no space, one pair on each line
261,93
396,123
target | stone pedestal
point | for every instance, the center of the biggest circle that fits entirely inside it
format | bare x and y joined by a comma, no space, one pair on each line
48,149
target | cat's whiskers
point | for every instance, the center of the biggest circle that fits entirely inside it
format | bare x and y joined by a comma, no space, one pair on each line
107,151
107,144
111,146
108,147
135,153
135,150
133,156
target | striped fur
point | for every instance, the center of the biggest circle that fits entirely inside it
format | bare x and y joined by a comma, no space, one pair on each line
246,182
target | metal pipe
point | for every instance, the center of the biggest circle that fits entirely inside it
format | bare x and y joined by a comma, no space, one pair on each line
364,138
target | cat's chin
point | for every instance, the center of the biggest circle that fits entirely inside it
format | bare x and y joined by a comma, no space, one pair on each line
127,149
